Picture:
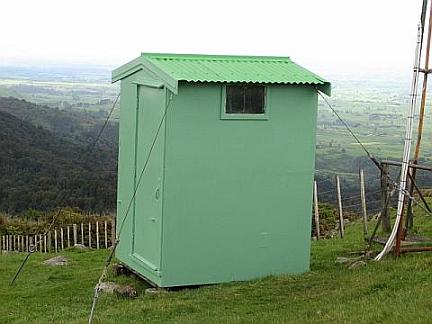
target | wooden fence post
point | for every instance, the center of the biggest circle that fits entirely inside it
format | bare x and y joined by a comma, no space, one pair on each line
363,203
82,233
27,243
106,234
89,239
316,211
339,200
40,243
113,232
55,241
385,216
61,238
68,236
75,234
49,242
35,242
45,243
22,243
97,235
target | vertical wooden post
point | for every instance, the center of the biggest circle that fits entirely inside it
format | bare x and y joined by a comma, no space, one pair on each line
22,243
68,236
339,200
363,202
113,232
49,242
89,239
316,211
45,244
385,216
35,243
31,242
27,243
61,239
75,234
97,235
55,241
7,242
82,233
40,243
106,234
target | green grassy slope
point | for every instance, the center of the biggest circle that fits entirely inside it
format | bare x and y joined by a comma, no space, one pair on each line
385,292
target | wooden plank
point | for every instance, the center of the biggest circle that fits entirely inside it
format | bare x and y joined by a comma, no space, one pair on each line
82,233
49,241
45,244
75,234
35,243
339,200
61,239
90,236
40,243
411,165
22,243
68,236
113,232
55,241
363,202
27,243
106,234
97,235
385,215
316,211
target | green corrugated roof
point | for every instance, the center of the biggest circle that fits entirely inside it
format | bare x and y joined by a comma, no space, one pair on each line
223,68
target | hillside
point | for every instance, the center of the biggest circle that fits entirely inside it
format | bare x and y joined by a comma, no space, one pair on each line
80,127
44,169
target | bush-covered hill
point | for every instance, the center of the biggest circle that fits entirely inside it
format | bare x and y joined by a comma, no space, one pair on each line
43,166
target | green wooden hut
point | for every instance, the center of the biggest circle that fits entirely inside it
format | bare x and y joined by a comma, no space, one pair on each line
227,145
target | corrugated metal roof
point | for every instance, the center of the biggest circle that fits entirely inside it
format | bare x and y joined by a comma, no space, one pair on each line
172,68
214,68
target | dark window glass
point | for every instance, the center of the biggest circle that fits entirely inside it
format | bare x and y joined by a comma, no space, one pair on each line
245,99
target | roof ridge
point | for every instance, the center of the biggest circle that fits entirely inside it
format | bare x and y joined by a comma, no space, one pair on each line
215,57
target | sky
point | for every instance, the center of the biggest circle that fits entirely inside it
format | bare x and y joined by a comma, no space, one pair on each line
338,36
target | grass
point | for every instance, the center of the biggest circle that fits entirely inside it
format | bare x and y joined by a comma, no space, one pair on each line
385,292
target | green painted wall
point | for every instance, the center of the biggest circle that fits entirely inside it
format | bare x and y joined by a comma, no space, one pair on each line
234,195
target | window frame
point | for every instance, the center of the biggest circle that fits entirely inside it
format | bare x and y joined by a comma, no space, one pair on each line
226,116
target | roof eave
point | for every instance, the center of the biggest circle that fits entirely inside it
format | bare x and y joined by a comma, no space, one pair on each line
138,64
126,69
325,88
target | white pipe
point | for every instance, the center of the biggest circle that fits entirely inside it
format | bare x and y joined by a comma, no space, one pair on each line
407,147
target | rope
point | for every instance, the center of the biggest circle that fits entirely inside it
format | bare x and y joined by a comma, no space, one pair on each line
32,248
110,256
93,145
347,127
401,189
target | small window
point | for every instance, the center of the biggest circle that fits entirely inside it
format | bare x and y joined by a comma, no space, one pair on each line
245,99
